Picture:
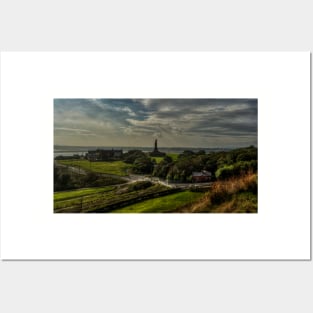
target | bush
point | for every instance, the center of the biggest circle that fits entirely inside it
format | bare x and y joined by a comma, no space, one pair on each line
162,169
143,165
139,186
247,156
225,172
132,155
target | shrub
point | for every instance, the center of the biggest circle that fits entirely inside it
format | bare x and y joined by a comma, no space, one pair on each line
143,165
225,172
139,186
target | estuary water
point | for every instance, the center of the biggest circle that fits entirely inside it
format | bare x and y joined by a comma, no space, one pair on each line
68,151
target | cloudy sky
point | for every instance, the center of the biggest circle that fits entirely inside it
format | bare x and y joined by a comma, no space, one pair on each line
174,122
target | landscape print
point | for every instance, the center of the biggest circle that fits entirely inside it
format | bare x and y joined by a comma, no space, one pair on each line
155,155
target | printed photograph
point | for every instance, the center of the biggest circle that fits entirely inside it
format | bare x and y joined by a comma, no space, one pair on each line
155,155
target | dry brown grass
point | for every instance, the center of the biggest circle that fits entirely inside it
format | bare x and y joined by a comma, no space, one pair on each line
222,197
234,185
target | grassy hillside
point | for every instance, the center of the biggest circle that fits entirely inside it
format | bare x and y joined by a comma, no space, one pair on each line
236,195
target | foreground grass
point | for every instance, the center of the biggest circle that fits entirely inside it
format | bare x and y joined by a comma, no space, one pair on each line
163,204
111,167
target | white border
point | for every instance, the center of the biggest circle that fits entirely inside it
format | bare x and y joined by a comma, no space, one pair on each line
30,81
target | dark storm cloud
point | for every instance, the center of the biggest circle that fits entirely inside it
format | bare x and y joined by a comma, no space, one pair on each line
180,122
206,116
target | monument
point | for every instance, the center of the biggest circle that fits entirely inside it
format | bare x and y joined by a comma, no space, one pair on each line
156,152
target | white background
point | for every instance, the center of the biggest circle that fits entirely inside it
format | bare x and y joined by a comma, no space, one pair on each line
157,286
30,230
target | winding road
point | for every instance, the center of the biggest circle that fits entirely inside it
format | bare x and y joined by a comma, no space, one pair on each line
132,178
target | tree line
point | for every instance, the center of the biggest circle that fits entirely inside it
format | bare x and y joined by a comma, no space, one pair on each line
222,165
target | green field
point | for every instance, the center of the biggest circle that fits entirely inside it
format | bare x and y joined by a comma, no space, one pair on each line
157,159
174,157
66,195
95,199
112,167
163,204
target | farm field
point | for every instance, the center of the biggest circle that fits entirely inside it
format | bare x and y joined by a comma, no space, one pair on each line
163,204
111,167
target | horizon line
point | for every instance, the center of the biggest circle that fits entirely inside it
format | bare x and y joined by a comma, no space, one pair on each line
152,146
